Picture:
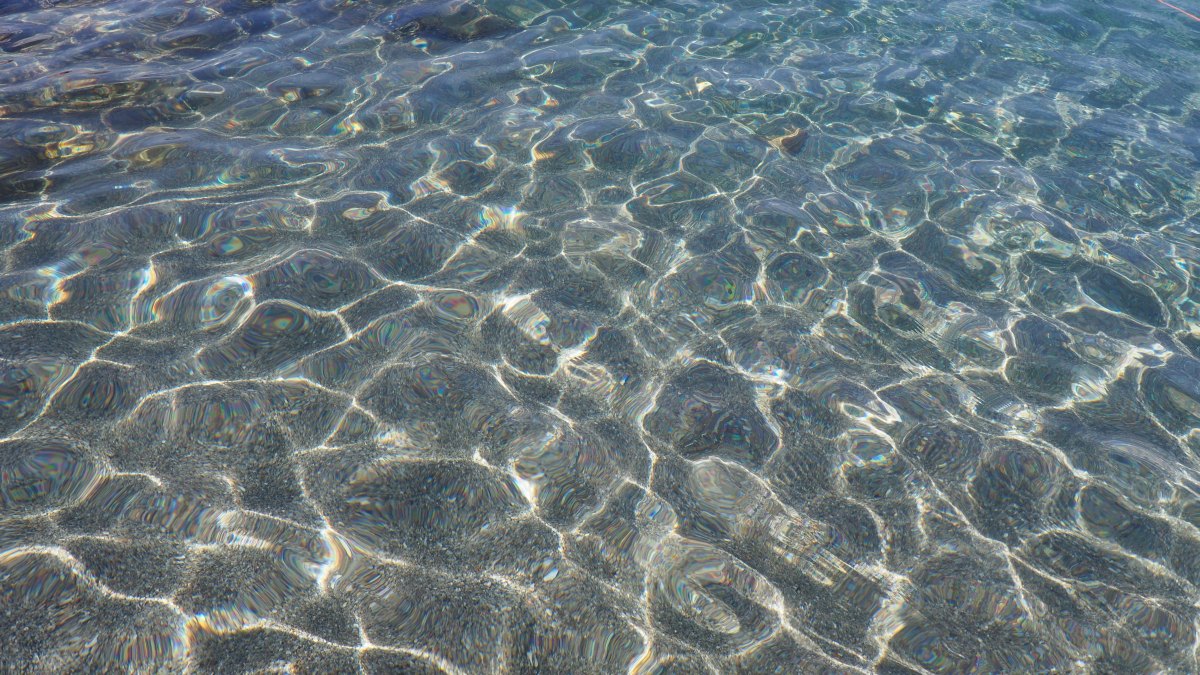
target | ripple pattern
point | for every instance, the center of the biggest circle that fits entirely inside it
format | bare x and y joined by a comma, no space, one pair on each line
532,336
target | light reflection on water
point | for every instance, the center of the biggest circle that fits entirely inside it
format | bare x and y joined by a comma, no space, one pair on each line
528,336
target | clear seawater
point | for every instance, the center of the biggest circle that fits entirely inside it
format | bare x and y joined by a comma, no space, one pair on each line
531,336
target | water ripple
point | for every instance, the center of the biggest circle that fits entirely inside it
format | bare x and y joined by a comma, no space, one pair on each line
469,336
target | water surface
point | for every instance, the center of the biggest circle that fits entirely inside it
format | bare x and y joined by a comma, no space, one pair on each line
525,336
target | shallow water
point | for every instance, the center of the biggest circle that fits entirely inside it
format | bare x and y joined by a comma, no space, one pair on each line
539,337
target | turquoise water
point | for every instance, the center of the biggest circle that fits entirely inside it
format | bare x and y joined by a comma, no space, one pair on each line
597,337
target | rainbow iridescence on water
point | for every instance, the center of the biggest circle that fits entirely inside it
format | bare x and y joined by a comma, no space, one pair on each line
530,336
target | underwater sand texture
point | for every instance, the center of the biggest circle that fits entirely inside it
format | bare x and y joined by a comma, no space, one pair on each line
531,336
